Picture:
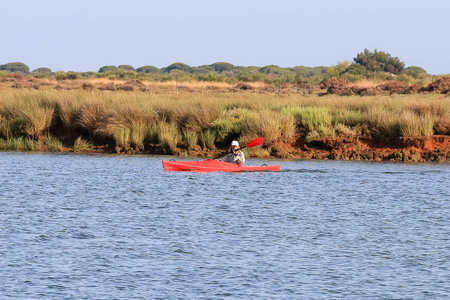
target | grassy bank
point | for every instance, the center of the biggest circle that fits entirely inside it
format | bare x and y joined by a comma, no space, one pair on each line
136,121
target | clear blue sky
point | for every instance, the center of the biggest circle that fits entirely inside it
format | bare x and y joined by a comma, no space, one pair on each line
84,35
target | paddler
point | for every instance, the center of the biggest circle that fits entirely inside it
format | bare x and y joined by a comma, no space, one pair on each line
236,155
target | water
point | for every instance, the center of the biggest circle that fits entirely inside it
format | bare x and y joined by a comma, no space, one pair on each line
119,227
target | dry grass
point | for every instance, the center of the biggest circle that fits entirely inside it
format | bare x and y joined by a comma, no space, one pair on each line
136,118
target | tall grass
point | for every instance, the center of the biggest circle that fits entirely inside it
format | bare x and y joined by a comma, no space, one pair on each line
136,118
310,117
168,135
208,139
81,145
190,138
53,144
412,124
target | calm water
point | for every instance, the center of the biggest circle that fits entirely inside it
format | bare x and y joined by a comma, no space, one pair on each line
119,227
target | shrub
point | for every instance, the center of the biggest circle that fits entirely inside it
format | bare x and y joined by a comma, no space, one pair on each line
336,86
243,86
344,131
321,132
398,87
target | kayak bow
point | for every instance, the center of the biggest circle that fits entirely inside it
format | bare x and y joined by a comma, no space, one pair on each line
211,165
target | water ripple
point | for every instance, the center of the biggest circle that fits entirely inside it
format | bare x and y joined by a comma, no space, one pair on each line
118,227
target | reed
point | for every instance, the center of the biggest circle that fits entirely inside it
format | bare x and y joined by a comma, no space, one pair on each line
53,144
81,145
411,124
190,138
137,134
383,123
15,144
136,118
208,139
310,117
5,128
121,136
3,144
29,144
168,135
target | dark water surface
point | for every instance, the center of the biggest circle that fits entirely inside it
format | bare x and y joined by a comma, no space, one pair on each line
119,227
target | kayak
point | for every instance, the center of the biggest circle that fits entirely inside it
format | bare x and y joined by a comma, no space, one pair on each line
211,165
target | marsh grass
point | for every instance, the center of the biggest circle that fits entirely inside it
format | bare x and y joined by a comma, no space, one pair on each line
411,124
5,128
136,118
310,117
208,138
190,138
168,135
16,143
81,145
53,144
321,132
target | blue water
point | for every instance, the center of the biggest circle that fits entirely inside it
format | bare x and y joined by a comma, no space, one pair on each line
119,227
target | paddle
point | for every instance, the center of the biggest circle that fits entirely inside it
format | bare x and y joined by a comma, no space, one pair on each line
255,143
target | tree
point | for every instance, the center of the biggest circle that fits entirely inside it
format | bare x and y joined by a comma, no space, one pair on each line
416,70
309,71
107,69
379,61
220,67
178,66
127,68
148,69
15,67
46,71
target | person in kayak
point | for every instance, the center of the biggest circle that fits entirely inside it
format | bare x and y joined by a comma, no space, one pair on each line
236,155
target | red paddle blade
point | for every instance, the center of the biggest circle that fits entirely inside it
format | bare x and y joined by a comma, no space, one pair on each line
255,143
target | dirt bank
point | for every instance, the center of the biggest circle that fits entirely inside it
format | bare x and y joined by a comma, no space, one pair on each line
412,149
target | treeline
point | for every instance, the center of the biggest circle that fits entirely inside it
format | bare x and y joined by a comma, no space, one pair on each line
367,64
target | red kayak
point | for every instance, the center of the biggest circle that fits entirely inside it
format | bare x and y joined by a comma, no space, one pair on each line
212,165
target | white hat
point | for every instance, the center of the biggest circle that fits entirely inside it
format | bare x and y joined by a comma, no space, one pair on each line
235,143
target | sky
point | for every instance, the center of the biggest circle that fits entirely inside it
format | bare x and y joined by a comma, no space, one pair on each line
85,35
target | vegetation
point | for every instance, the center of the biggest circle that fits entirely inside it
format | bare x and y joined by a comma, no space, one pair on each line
377,61
15,67
183,109
367,64
134,121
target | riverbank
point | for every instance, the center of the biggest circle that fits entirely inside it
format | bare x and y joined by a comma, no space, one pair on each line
394,127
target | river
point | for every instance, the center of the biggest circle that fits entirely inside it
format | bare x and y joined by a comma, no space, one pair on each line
119,227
